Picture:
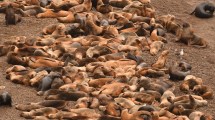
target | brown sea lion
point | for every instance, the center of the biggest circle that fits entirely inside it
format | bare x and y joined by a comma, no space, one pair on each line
68,19
187,36
10,17
51,14
84,7
39,112
204,91
161,60
59,104
91,27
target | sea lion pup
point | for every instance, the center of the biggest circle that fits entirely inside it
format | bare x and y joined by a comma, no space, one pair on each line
68,19
59,104
187,36
84,7
197,115
189,82
10,17
72,96
204,10
139,115
46,82
51,14
175,73
5,99
161,60
91,27
155,47
39,112
204,91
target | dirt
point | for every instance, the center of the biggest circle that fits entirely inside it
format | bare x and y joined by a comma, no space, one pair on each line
202,60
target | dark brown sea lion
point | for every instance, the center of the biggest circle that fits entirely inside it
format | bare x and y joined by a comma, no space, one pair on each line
10,17
204,10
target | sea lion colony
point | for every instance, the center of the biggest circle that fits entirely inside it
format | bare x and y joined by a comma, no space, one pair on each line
93,68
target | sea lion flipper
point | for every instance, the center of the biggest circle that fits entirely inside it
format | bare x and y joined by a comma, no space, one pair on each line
193,12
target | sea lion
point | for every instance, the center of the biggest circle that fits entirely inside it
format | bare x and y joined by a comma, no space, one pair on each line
161,60
16,68
190,82
31,11
10,17
15,59
204,91
155,47
204,10
84,7
139,115
46,82
49,29
97,51
186,35
112,109
39,112
176,74
51,14
164,98
59,104
72,96
197,115
5,99
68,19
91,27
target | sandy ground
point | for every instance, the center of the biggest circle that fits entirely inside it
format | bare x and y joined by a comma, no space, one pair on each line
202,60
